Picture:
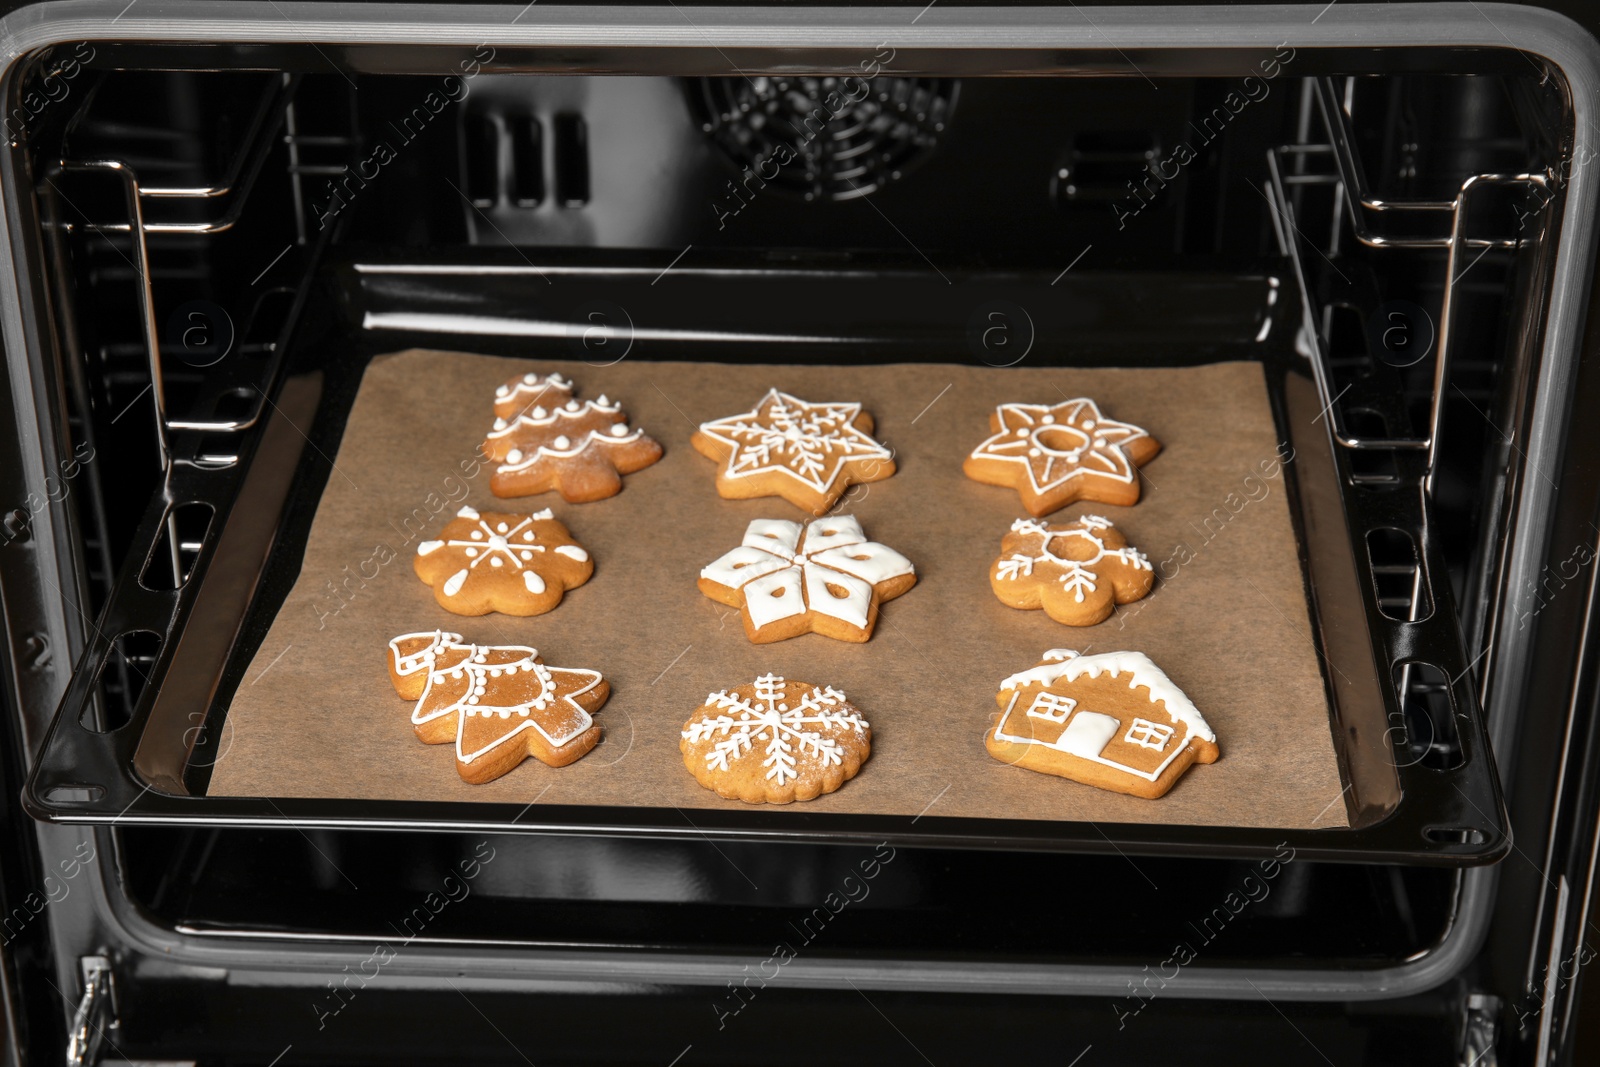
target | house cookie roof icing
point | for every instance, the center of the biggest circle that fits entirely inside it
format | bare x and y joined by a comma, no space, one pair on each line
1142,673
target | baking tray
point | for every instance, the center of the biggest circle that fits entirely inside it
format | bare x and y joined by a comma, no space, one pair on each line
1398,807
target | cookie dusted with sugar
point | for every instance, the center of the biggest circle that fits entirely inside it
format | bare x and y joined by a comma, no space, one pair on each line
1075,571
544,438
807,453
775,741
1055,454
500,704
824,578
499,561
1112,720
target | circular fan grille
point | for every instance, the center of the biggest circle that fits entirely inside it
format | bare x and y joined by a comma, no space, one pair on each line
827,138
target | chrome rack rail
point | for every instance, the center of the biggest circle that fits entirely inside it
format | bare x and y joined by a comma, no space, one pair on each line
1372,222
239,176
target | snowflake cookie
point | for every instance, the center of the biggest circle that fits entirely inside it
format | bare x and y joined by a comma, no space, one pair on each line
809,454
1056,454
1111,720
826,578
513,564
543,439
775,741
1075,572
500,704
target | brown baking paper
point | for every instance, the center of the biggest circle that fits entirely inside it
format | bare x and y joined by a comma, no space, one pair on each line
315,715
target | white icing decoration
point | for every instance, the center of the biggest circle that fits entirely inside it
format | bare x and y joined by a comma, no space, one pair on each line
1077,576
572,552
453,584
765,717
784,572
534,583
808,442
1051,442
467,513
1143,674
562,442
514,456
560,718
425,547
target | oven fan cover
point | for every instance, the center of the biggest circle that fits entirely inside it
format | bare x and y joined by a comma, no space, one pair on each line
825,138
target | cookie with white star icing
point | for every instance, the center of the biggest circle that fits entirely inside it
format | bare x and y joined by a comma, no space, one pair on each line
775,741
823,578
500,704
807,453
1055,454
545,439
515,564
1075,571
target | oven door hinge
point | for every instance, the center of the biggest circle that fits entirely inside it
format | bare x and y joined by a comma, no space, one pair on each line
96,1012
1480,1031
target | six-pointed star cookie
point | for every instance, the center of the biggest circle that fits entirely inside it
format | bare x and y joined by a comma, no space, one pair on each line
1056,454
775,741
1075,572
497,561
500,704
543,439
809,454
827,579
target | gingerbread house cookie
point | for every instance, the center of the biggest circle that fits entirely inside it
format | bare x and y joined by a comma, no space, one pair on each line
807,453
1111,720
500,704
1058,453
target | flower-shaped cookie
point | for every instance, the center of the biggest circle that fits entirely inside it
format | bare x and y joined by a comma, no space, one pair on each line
1074,572
809,454
1056,454
500,704
827,579
775,741
543,439
513,564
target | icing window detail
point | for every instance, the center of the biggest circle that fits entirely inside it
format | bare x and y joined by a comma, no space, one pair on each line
1051,706
1147,734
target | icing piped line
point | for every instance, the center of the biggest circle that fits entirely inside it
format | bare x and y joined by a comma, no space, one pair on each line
1144,674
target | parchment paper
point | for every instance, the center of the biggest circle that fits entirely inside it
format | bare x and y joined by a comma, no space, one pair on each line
315,715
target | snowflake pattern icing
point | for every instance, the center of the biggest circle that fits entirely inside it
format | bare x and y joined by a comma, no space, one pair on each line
507,548
1056,443
788,732
784,434
783,570
1076,576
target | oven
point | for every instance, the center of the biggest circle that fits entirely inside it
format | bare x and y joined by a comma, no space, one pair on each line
219,215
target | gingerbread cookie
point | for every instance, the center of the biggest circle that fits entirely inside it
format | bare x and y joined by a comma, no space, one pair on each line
775,741
500,704
544,439
809,454
826,578
513,564
1075,572
1056,454
1111,720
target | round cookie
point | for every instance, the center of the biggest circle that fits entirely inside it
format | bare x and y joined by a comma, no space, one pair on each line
774,741
498,561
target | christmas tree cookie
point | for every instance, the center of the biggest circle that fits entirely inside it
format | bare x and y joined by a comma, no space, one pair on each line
543,439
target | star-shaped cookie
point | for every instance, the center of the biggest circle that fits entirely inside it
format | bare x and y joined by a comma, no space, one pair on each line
499,561
807,453
500,704
1056,454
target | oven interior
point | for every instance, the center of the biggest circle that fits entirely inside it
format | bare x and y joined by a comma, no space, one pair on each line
267,195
